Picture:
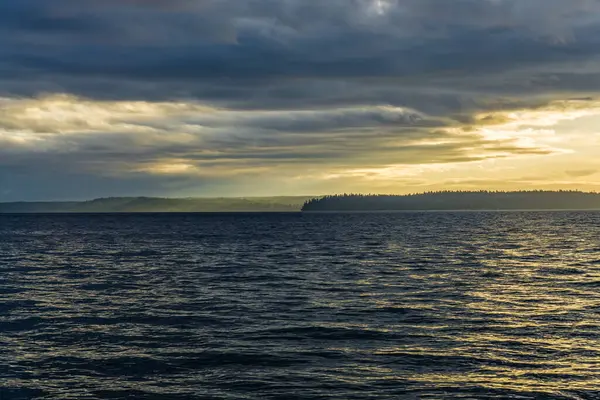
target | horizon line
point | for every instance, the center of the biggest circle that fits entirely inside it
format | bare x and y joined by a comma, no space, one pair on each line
464,191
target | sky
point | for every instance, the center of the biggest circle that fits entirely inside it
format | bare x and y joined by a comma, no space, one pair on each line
296,97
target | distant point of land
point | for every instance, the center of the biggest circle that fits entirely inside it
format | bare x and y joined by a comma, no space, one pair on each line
457,200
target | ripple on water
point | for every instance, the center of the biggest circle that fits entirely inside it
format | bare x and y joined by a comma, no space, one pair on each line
293,306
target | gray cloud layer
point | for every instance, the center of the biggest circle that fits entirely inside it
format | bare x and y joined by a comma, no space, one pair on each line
264,53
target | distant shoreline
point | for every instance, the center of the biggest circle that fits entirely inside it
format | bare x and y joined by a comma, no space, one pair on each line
448,201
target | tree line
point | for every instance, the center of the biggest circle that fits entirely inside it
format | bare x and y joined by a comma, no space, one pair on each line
458,200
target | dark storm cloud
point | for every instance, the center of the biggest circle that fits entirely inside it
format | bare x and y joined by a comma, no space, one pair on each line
236,51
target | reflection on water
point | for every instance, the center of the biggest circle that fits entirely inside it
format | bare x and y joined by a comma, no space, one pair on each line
359,306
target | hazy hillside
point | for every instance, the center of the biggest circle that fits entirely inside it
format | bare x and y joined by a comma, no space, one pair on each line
151,204
482,200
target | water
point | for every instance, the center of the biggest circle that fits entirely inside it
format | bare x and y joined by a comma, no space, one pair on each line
291,306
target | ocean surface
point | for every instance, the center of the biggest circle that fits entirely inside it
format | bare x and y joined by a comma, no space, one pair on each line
430,305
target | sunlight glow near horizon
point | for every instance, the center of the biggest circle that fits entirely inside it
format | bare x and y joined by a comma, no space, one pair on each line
514,149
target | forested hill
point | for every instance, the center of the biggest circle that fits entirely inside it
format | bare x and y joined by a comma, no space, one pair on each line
153,204
447,200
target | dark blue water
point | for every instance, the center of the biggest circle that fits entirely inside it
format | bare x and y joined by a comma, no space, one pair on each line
292,306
